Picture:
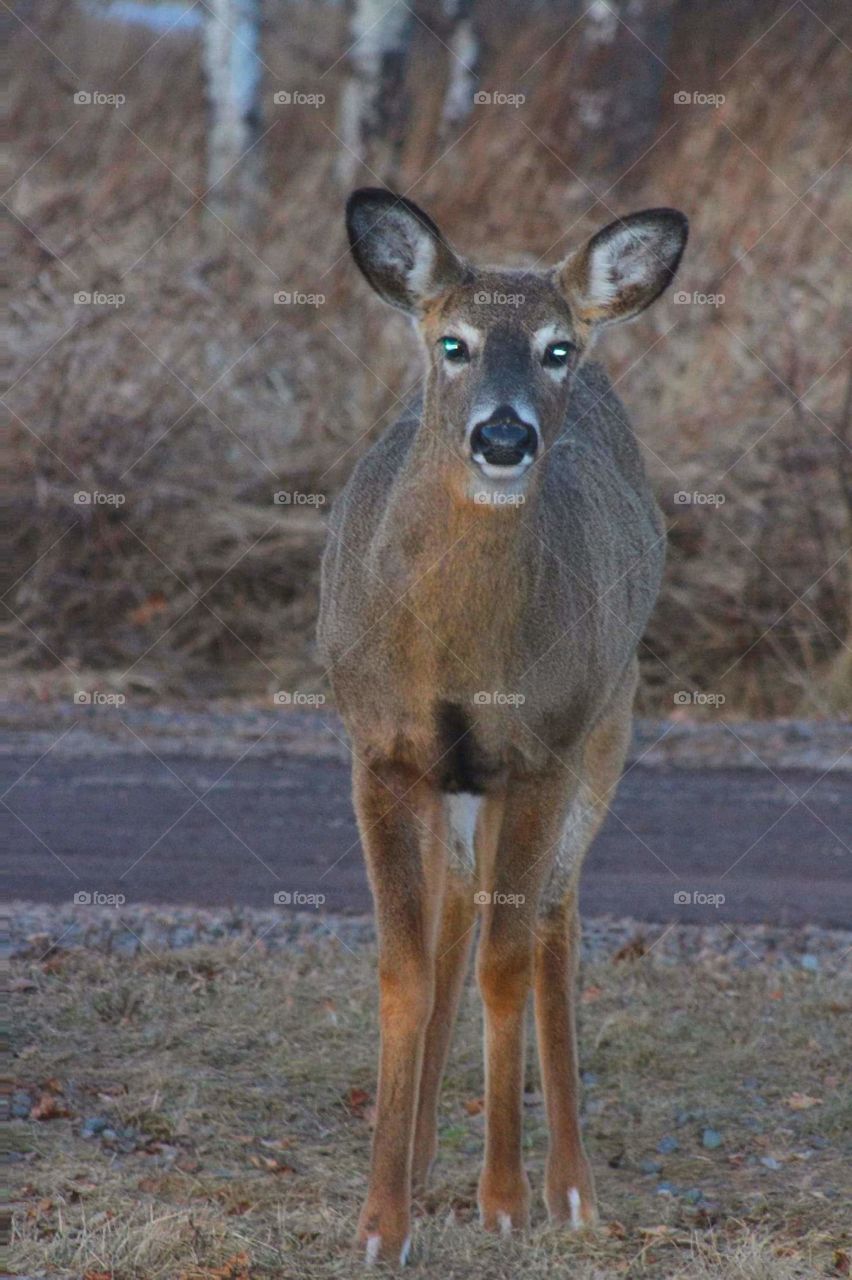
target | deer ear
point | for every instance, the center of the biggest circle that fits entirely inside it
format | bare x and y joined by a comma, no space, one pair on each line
624,267
399,249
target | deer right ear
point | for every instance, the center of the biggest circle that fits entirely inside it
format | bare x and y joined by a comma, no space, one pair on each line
399,249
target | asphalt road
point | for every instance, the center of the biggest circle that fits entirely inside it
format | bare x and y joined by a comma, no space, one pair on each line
130,823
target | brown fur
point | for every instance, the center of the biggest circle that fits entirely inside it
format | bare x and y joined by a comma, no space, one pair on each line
430,600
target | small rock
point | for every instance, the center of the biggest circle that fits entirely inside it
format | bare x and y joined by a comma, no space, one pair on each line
589,1079
650,1166
667,1145
21,1104
711,1139
694,1195
811,963
93,1125
769,1162
666,1189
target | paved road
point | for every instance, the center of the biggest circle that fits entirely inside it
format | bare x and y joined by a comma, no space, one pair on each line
126,822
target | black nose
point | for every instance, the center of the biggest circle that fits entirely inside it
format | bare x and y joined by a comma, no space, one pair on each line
503,440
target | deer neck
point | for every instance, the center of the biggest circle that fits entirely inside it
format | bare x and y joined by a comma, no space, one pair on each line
465,566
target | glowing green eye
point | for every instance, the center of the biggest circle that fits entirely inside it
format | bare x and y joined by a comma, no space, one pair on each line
454,349
557,354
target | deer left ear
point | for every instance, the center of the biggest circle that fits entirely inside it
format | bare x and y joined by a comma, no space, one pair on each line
624,267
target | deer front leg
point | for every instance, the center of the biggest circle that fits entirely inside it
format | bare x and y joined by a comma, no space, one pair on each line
524,855
405,869
569,1188
453,949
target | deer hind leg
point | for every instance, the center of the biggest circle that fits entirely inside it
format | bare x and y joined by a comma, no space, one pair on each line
522,860
569,1185
406,866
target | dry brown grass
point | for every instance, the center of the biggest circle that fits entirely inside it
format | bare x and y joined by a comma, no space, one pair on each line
757,597
239,1087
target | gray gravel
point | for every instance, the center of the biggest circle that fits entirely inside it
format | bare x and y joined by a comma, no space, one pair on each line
275,732
39,929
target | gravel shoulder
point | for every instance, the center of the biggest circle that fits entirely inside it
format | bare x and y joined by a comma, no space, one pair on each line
227,729
41,930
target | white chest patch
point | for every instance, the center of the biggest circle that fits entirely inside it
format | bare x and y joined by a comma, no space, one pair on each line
462,810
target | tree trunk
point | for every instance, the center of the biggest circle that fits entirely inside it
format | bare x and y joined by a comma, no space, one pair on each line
463,50
233,79
374,105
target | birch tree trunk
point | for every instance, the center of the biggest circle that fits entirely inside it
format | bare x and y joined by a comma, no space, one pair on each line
232,71
463,54
374,105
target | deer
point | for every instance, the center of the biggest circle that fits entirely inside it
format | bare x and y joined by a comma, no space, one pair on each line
490,567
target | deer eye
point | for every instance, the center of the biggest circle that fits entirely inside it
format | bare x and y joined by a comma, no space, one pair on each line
557,355
454,350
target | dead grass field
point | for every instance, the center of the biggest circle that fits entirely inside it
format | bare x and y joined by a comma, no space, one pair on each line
237,1090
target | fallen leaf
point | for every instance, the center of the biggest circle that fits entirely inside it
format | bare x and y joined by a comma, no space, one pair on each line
148,609
591,994
802,1102
632,950
474,1106
271,1165
48,1107
357,1100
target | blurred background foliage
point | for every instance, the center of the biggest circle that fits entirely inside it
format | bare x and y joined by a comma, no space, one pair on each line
199,397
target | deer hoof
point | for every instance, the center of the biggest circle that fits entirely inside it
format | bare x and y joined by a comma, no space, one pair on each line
376,1251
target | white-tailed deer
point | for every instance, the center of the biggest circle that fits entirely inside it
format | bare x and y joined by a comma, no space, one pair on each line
491,565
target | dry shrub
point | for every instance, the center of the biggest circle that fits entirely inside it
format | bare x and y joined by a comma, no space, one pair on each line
199,397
